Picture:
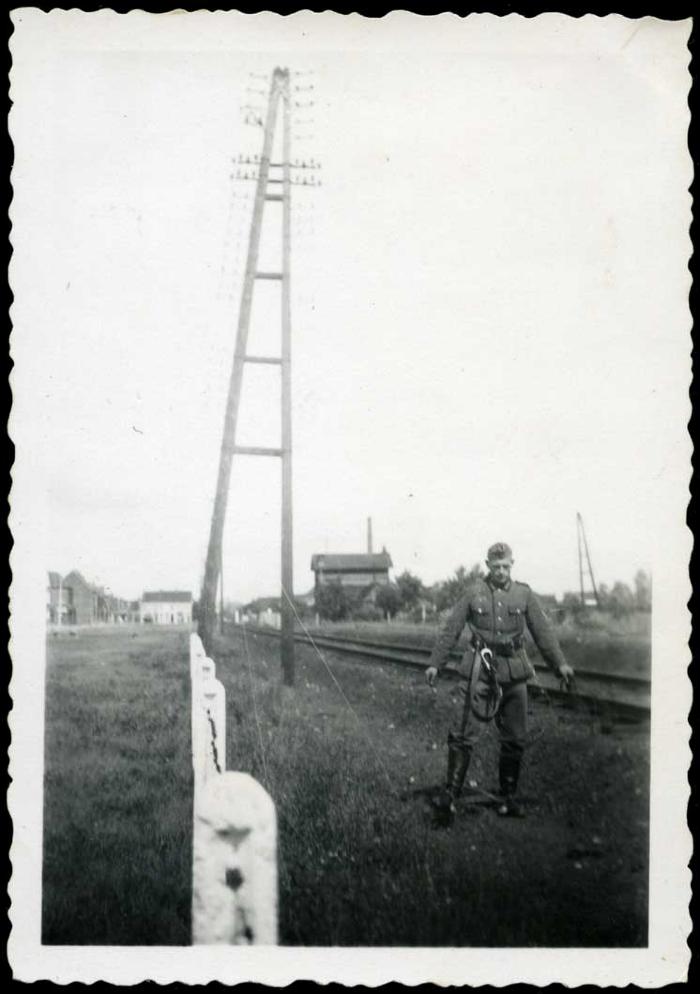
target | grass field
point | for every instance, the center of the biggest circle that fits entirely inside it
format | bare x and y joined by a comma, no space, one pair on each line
360,862
117,788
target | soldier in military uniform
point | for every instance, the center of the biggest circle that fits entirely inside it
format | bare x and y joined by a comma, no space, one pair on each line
496,610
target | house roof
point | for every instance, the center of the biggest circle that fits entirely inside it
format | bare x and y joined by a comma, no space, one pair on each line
169,596
75,576
361,562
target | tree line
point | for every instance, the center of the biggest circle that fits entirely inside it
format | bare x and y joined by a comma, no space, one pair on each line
409,597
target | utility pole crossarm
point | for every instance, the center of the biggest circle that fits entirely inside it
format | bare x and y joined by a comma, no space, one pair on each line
255,450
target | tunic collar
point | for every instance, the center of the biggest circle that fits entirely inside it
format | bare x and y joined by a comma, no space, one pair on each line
494,587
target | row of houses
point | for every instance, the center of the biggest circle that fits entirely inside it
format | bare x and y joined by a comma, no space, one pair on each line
72,600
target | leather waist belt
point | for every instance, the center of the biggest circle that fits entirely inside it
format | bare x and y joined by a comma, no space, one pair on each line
500,647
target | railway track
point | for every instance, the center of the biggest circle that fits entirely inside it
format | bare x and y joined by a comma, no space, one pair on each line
615,696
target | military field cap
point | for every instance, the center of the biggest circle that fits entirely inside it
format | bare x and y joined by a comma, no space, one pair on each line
500,550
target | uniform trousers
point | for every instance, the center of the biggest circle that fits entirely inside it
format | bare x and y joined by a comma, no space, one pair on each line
511,719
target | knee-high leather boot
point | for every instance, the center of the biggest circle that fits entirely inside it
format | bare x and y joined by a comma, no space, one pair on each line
458,758
508,774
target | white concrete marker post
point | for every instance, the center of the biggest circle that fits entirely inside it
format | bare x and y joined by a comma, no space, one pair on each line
213,712
234,844
193,692
208,743
197,656
196,647
202,672
234,895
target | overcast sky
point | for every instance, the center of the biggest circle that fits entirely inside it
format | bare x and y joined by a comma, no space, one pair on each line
490,325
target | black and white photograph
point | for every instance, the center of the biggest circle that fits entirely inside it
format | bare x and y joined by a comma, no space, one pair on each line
350,372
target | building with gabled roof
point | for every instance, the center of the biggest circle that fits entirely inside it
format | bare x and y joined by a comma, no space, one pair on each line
356,570
56,599
166,607
82,599
352,569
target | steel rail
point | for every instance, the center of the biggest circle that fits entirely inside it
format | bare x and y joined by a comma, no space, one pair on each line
601,675
414,657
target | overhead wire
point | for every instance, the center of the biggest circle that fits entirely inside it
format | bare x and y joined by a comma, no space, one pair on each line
342,693
255,706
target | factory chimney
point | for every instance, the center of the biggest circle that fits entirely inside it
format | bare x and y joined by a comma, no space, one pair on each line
369,536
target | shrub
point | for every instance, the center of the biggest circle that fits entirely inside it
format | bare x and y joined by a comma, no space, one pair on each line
332,602
367,612
388,599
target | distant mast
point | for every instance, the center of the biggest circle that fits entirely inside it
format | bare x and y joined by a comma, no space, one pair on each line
369,536
582,543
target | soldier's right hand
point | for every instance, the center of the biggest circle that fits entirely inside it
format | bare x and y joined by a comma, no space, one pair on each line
431,675
566,674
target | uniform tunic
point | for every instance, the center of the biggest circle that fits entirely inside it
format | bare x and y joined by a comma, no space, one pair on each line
498,616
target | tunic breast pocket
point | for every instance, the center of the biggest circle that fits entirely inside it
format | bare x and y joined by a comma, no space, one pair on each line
516,618
480,616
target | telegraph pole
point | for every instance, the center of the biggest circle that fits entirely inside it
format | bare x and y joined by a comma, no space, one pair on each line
286,604
266,185
213,561
221,589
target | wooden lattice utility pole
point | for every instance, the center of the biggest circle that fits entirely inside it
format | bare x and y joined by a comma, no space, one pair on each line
279,91
287,591
583,549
